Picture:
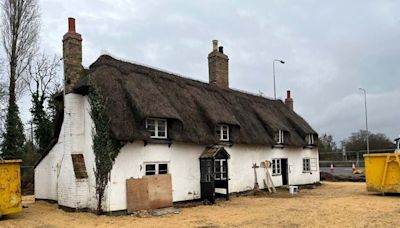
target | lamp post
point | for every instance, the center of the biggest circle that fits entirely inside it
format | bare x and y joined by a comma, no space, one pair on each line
366,116
273,70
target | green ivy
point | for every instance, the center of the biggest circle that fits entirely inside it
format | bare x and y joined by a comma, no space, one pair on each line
105,148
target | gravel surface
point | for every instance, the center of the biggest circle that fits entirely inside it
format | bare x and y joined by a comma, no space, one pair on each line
333,204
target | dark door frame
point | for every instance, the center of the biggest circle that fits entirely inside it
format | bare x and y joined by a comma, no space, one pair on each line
285,171
208,180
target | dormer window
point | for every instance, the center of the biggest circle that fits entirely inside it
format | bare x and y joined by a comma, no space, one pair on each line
279,137
310,139
157,128
222,132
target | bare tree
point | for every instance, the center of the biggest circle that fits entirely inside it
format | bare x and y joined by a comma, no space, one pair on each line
20,22
42,76
3,106
42,81
20,34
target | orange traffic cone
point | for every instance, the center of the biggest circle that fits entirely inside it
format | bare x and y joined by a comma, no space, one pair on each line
353,168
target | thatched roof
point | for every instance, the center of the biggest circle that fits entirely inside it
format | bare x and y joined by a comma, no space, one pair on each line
134,92
213,151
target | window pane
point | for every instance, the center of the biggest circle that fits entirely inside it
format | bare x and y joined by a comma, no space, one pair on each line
226,133
306,164
273,166
150,123
161,125
224,166
162,168
276,137
218,131
150,169
161,134
217,166
151,126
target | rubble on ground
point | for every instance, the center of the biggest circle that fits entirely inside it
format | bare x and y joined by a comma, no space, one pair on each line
325,176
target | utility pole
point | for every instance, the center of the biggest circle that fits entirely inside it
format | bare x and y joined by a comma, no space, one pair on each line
273,72
366,116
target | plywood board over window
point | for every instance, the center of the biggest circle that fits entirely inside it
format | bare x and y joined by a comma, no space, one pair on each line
78,162
313,164
149,192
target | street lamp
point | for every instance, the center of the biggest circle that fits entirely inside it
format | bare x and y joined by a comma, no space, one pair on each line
366,116
273,69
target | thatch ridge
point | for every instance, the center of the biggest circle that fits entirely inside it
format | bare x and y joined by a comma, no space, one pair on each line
193,108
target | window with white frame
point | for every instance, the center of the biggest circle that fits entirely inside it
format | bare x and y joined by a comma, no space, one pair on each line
220,169
279,137
156,168
310,139
276,166
222,132
306,165
157,128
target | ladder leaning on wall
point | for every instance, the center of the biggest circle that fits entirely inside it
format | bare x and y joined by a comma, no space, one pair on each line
268,182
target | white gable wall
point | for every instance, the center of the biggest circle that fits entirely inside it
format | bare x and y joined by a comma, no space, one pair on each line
54,176
46,173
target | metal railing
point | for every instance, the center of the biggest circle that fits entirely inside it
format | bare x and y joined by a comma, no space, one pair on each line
347,158
27,180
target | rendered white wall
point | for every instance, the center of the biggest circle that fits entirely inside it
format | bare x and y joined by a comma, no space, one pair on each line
183,162
46,172
184,167
54,176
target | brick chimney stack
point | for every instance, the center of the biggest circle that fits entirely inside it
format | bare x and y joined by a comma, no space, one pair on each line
218,67
72,56
289,100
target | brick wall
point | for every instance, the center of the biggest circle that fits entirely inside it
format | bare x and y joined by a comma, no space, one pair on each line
218,69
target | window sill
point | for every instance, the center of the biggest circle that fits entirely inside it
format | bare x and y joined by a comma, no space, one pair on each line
158,141
82,179
225,143
309,147
278,146
277,174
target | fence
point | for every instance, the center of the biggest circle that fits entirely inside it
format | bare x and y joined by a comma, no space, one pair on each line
27,180
346,158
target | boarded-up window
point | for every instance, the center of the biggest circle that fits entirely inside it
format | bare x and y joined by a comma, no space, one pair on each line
313,164
149,192
78,163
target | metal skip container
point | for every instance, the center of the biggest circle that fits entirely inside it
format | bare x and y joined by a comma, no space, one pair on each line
382,172
10,187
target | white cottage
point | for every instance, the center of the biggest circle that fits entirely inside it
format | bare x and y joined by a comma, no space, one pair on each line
205,135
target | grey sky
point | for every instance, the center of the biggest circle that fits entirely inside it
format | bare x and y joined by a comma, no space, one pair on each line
330,47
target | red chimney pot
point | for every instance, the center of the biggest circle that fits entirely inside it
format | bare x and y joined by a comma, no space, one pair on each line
71,25
288,93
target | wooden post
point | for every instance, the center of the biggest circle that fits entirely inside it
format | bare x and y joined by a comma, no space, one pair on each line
255,166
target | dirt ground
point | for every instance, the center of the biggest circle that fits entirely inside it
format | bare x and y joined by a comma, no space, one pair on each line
340,204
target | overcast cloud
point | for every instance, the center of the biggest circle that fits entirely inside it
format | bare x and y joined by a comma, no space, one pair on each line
330,47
